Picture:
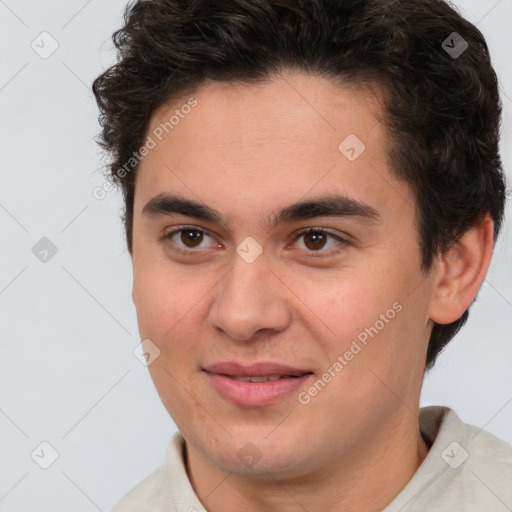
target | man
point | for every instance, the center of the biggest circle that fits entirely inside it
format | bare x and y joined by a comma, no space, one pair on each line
312,194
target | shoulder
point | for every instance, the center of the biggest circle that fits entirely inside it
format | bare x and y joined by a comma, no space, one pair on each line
167,489
475,467
467,469
151,494
156,492
487,455
462,443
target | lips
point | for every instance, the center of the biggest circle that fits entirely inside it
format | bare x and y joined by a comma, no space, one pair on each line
262,378
255,385
261,369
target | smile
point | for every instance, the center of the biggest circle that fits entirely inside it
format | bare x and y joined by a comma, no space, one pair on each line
256,385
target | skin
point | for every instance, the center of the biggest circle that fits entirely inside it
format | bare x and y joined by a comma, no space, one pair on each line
246,151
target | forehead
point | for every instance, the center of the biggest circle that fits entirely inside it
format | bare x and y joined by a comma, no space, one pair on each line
233,112
246,146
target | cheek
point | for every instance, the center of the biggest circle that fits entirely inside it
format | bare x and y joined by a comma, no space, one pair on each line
162,301
367,316
166,306
352,306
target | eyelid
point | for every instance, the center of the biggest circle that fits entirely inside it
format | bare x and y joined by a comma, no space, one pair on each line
315,229
296,236
177,229
324,231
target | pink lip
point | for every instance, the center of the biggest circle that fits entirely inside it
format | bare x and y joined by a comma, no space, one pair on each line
254,369
254,394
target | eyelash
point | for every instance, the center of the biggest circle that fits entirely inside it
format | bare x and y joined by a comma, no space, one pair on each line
306,231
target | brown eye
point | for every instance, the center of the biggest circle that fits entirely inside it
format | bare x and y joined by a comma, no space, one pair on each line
188,240
315,240
191,238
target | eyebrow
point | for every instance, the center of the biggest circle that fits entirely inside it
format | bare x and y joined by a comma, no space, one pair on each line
333,205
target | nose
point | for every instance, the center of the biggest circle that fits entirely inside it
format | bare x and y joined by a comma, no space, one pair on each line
249,300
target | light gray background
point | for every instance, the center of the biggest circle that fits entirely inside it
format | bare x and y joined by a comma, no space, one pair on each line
68,374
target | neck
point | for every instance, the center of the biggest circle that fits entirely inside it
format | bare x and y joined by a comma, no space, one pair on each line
366,479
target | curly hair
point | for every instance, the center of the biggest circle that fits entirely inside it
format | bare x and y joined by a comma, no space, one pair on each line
442,110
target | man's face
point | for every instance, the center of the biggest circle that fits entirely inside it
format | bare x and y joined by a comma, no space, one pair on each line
346,311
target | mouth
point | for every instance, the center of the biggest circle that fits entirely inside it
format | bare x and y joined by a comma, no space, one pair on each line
263,378
255,385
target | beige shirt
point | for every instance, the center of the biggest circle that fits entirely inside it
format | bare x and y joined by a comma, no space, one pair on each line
466,469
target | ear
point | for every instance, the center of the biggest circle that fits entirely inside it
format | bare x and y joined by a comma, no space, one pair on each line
460,273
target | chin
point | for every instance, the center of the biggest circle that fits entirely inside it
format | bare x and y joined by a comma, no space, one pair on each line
256,456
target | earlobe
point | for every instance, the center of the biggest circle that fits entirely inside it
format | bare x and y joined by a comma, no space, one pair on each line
461,272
